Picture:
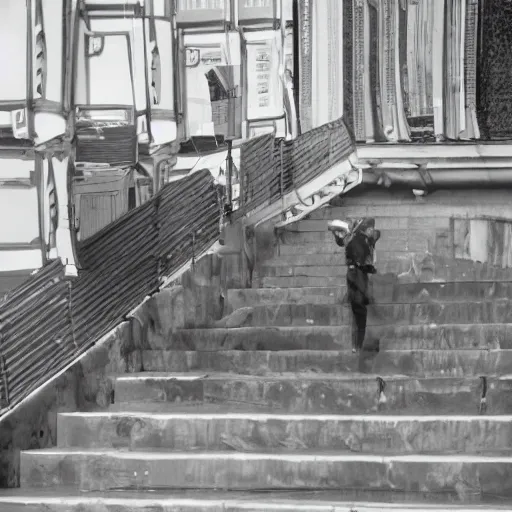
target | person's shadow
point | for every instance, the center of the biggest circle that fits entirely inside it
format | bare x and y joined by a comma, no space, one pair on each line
369,353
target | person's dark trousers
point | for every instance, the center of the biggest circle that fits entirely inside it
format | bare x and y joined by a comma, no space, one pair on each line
357,287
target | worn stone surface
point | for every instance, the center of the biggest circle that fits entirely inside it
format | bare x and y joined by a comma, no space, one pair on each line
314,393
89,384
451,312
453,363
273,397
250,297
386,289
398,337
233,501
116,469
196,302
285,433
239,318
86,386
416,266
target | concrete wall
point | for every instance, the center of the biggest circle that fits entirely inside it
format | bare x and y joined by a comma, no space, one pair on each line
463,226
471,228
411,218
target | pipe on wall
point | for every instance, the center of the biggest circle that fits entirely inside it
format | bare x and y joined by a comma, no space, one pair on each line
430,179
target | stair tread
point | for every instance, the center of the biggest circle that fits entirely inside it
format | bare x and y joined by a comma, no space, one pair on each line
245,408
454,302
341,351
307,501
348,376
296,455
198,413
325,327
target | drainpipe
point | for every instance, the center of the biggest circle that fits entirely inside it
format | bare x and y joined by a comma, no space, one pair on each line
422,178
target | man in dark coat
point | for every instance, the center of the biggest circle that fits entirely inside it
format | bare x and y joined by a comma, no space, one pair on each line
359,254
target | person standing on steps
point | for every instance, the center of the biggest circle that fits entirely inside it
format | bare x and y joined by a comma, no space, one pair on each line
359,245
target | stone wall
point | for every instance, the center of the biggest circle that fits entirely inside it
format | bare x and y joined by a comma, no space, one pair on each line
467,229
465,234
435,222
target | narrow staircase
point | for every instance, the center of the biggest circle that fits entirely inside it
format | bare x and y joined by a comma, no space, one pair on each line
278,414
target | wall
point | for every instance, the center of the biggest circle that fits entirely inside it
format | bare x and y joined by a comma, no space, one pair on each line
446,235
450,225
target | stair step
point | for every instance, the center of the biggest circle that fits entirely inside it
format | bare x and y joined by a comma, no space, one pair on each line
329,248
252,432
323,267
297,282
398,337
233,501
337,277
266,271
421,363
318,393
383,293
446,312
102,470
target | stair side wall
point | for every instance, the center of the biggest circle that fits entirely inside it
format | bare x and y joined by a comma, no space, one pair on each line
195,300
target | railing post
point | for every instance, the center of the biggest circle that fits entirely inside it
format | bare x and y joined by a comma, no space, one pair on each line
229,177
156,199
281,178
241,174
4,397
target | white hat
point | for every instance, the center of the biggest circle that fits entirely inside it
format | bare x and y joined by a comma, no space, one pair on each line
338,225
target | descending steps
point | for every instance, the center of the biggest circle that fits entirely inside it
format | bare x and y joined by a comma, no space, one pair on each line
285,432
208,501
108,470
415,292
273,412
420,363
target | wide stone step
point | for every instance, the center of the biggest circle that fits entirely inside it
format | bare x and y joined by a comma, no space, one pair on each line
329,248
233,501
458,475
339,279
297,281
420,363
334,265
285,433
397,337
467,312
318,393
300,271
383,292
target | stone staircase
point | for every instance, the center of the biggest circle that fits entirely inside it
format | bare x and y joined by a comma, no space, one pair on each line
278,414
